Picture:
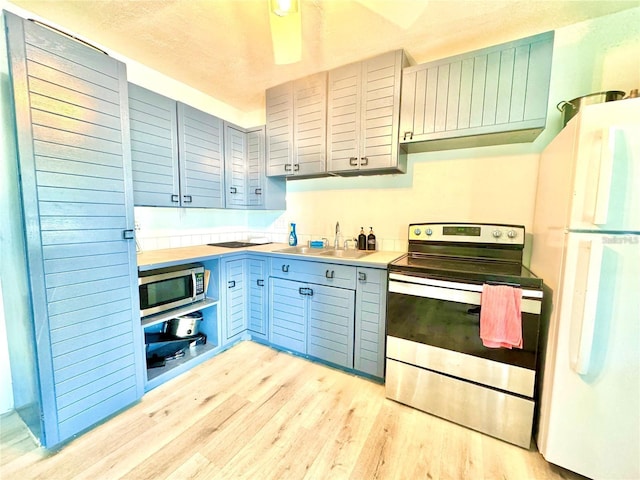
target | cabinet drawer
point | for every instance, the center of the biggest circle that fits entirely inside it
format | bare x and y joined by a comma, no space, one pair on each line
329,274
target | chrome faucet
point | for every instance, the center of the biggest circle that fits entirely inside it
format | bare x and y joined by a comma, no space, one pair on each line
336,241
346,242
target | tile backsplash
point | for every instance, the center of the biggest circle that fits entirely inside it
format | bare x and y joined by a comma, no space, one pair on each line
156,239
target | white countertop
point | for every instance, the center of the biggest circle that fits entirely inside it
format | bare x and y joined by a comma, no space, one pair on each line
196,253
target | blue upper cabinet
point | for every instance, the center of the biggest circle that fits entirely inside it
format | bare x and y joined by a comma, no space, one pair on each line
296,127
200,149
246,185
176,152
71,110
487,97
363,116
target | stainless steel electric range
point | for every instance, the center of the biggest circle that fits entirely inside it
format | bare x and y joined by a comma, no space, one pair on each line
436,361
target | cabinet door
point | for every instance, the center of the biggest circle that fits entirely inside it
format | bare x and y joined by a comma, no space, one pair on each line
371,300
235,297
257,301
71,107
154,148
497,90
381,80
288,309
200,145
344,117
310,124
235,166
331,317
279,113
254,168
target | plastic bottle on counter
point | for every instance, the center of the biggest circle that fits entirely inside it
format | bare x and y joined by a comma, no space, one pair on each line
371,240
293,238
362,240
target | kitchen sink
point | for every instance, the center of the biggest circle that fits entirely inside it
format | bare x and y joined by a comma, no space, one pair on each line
325,252
302,250
345,253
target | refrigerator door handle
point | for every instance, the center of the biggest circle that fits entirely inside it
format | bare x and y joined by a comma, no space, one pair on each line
583,311
607,149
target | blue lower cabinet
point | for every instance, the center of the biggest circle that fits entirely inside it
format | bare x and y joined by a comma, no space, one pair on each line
330,327
257,301
371,305
235,299
288,311
331,312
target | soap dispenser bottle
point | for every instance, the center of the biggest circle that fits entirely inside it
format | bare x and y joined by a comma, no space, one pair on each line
293,238
362,240
371,240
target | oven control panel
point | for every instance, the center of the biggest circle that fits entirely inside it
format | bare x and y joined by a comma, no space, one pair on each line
467,232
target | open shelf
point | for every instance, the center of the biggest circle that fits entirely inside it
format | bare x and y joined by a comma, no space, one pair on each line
178,365
176,312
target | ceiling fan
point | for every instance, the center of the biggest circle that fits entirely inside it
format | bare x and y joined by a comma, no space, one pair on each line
286,24
286,31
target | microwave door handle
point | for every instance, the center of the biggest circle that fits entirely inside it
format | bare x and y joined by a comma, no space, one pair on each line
193,285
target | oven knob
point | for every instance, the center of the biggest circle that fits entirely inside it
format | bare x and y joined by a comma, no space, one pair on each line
496,233
428,231
417,231
512,234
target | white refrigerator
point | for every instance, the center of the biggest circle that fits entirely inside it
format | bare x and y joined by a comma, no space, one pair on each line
586,248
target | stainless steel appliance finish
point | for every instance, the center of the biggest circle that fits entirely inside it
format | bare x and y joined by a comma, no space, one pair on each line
436,361
462,402
166,288
184,325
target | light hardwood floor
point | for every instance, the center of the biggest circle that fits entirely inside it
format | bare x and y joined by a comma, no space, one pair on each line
253,412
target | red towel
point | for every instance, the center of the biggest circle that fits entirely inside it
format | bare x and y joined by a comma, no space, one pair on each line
500,316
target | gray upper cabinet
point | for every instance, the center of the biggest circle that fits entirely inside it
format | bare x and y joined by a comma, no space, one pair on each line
363,115
71,110
246,185
296,127
200,150
176,152
486,97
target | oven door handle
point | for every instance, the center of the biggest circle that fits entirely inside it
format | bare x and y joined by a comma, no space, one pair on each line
453,295
450,284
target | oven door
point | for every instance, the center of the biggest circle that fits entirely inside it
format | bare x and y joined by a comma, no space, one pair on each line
435,324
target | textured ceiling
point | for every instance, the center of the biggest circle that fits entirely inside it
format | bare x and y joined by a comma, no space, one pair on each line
223,47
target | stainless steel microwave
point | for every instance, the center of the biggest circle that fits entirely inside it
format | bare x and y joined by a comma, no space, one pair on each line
167,288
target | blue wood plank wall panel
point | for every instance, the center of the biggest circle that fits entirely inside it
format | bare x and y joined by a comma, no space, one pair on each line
77,200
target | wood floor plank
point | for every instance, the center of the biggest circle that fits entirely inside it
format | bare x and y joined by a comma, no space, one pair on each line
258,413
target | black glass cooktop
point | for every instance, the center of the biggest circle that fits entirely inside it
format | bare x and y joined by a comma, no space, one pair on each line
466,269
236,244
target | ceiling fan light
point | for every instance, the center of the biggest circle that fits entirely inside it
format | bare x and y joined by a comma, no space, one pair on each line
282,8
